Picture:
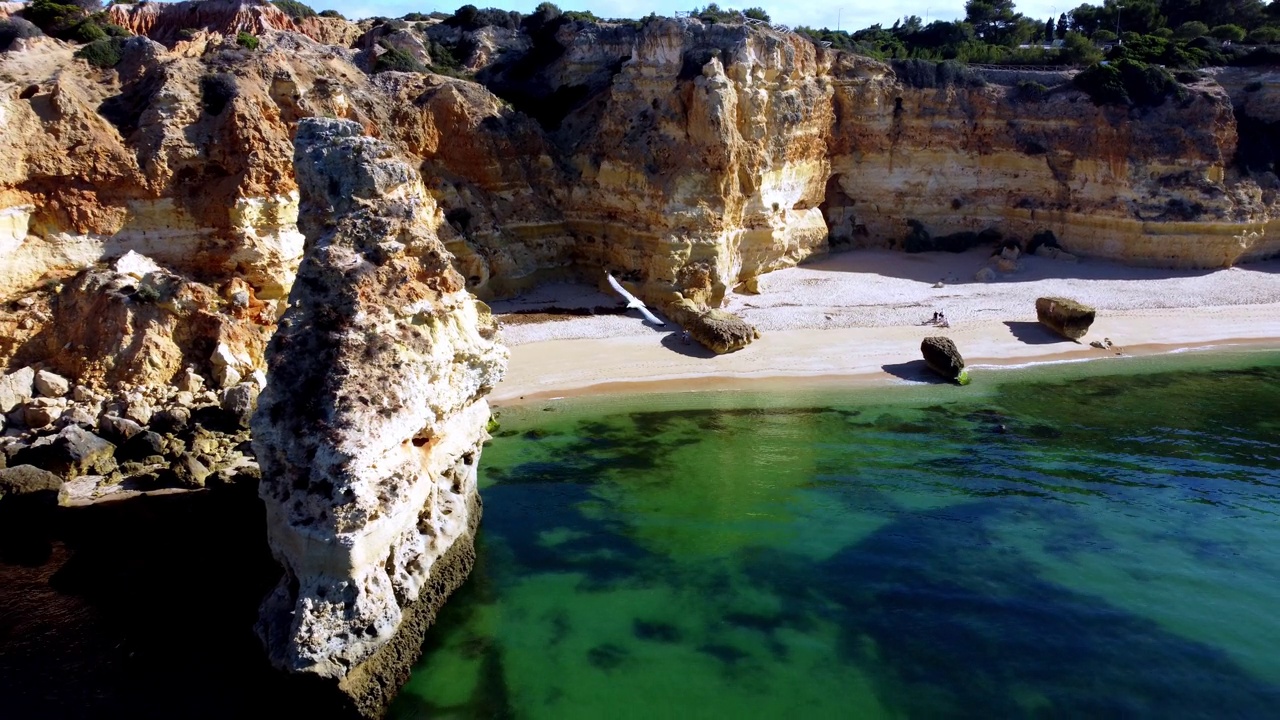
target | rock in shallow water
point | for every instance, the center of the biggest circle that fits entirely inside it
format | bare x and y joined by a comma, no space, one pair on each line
942,356
369,430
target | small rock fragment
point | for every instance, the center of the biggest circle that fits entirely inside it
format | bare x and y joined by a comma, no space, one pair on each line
16,388
51,384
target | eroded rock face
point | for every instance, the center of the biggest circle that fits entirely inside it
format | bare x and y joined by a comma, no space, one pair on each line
717,330
369,430
1158,186
1067,317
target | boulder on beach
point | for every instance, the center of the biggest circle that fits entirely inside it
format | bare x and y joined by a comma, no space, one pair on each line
717,330
942,356
1067,317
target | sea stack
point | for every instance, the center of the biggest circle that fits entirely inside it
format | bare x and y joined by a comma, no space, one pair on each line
1067,317
942,357
370,428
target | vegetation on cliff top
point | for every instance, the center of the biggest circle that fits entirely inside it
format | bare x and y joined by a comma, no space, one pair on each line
1180,34
77,20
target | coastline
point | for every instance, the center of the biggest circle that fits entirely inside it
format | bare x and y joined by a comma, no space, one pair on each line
839,339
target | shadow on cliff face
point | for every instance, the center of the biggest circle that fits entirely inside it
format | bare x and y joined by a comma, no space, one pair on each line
960,268
141,608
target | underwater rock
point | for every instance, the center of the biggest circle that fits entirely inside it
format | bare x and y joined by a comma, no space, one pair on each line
1064,316
941,355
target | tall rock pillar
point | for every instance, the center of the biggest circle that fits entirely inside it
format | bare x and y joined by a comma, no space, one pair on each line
370,428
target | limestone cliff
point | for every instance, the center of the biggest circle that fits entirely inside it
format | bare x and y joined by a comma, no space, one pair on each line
369,430
704,160
1154,186
169,22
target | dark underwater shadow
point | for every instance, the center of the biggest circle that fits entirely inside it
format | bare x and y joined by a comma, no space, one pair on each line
915,371
1033,333
950,622
143,608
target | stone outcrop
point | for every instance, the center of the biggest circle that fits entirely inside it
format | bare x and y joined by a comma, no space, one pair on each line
942,357
1067,317
715,329
369,430
166,22
1159,186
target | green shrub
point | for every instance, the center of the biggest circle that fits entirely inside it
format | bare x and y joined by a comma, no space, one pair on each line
51,17
1103,84
64,21
331,14
14,28
924,74
113,30
104,53
396,60
1031,91
1233,33
146,294
86,32
294,9
217,91
1254,86
1265,35
1192,29
1126,82
247,40
442,57
187,33
580,16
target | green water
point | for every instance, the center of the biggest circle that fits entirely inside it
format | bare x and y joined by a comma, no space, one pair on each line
1077,541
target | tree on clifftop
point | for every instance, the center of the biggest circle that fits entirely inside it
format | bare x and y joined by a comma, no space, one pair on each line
996,22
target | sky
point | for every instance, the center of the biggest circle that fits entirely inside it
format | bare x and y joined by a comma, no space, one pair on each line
847,15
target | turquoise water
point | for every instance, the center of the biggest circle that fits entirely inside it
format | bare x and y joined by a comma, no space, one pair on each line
1076,541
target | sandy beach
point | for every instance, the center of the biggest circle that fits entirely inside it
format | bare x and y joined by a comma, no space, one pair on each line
858,317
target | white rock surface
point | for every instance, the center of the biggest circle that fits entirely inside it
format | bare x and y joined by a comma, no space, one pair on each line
369,430
16,388
136,265
51,384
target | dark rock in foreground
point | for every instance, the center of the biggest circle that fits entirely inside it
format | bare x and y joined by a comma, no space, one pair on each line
28,480
941,355
1065,316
